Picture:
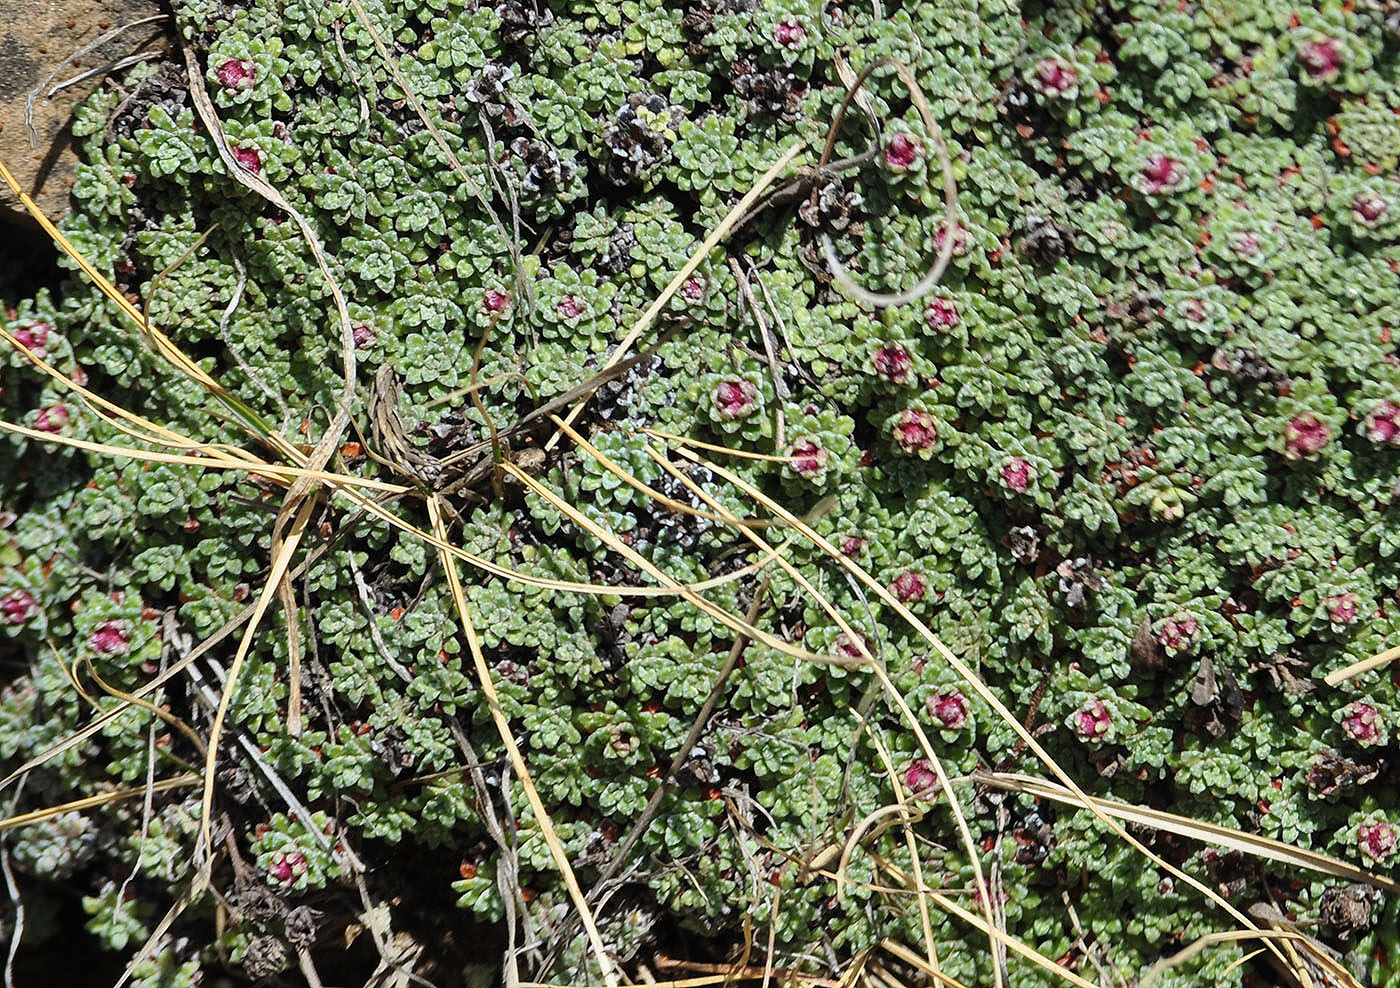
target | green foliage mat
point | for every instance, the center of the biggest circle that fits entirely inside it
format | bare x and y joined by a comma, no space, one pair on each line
1134,459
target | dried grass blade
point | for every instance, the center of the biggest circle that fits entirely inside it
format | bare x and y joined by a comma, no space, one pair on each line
281,562
100,799
1208,833
1362,667
517,760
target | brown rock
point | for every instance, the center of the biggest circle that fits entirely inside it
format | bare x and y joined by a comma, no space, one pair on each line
36,36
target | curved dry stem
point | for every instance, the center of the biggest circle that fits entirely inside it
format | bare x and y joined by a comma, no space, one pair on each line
839,273
138,701
721,230
729,620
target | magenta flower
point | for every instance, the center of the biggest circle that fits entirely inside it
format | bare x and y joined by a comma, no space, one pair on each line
1383,424
959,240
734,400
807,458
849,648
1017,474
110,638
1246,243
287,867
1305,436
1368,208
1376,840
493,300
51,419
1341,608
915,432
909,587
362,335
248,158
948,708
1161,174
789,32
569,306
942,313
1362,723
902,152
922,779
893,363
17,607
1053,77
1178,633
237,74
1321,59
1093,720
34,337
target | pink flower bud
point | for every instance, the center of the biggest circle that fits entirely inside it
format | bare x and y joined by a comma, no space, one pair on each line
1362,723
248,158
1305,436
1161,174
909,587
902,152
569,306
693,289
1053,77
51,419
848,647
1383,424
942,313
789,32
949,709
237,74
110,638
17,607
1092,721
34,337
922,779
1321,59
1178,633
1369,207
807,458
1017,474
1341,608
892,362
852,545
959,240
915,432
735,399
362,335
496,301
280,870
1376,840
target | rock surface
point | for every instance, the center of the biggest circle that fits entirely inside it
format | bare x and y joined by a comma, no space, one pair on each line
36,36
